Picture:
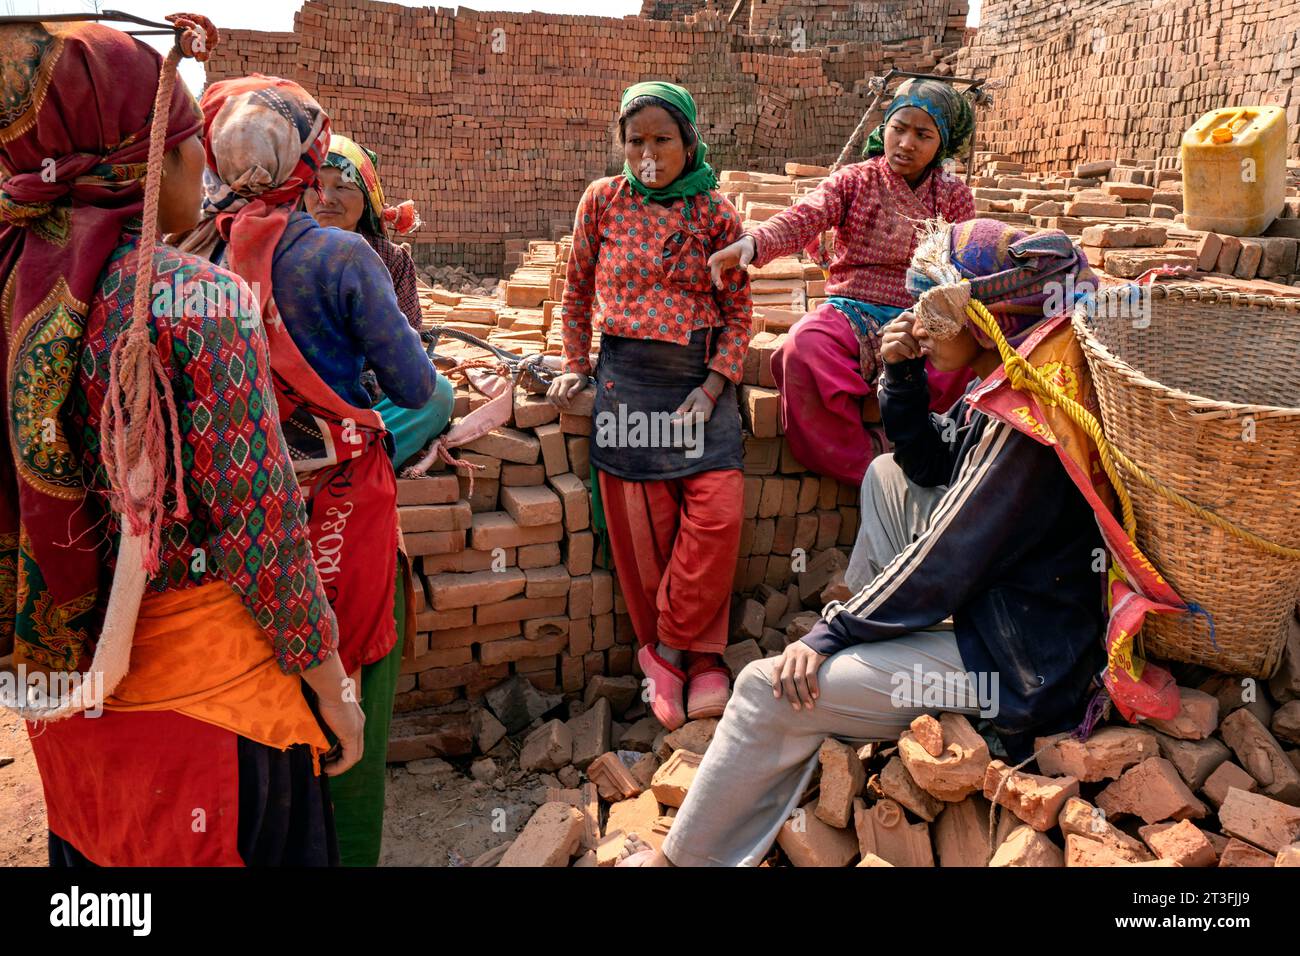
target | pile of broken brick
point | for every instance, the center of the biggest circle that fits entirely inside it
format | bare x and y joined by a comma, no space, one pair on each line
1217,785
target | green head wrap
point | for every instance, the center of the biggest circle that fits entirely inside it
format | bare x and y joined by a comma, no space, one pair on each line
699,177
951,112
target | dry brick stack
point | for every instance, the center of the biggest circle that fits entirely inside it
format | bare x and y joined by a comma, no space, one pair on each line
495,122
1127,216
1107,78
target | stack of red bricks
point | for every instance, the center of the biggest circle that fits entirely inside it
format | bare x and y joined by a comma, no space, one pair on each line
1127,214
509,586
1216,786
493,123
1126,77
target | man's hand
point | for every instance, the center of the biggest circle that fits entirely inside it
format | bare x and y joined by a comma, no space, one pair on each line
564,388
735,256
897,343
794,673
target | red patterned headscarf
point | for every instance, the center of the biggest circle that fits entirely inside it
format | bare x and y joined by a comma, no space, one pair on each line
75,112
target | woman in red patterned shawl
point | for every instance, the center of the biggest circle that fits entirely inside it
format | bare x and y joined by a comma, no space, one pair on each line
206,752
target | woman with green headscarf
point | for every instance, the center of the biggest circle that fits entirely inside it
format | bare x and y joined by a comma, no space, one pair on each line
666,446
829,365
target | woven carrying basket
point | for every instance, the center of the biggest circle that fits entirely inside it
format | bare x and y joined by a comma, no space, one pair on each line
1204,398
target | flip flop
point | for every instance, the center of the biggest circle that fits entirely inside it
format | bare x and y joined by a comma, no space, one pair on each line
708,688
667,683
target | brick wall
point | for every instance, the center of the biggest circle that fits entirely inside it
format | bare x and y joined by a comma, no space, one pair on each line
1097,79
497,142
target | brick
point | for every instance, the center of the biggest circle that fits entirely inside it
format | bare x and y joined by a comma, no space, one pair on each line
1288,856
1239,853
602,592
897,784
1261,756
532,506
546,629
1153,791
1229,250
550,838
591,730
1255,818
507,444
672,781
961,833
434,542
533,410
474,634
807,841
1197,718
467,559
517,648
1127,191
1249,259
450,590
769,501
638,816
956,774
535,556
1123,236
1286,722
551,447
547,748
1080,851
1207,251
520,475
1284,685
693,736
575,499
497,529
1100,210
737,656
580,636
578,451
1226,776
1035,799
1279,256
483,495
1025,846
520,608
760,410
613,779
1103,756
1084,820
1185,844
883,831
1194,760
842,778
929,734
546,582
430,490
579,549
449,517
621,692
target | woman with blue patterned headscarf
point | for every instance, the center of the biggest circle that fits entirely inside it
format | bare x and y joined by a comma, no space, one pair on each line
829,365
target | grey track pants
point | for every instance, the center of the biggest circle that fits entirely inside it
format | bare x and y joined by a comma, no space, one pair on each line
764,752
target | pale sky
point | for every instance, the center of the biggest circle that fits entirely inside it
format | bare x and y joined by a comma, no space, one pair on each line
278,14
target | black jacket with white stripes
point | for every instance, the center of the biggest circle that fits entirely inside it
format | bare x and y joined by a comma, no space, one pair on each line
1009,554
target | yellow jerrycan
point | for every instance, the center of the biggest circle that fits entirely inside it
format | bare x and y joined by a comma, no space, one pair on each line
1234,170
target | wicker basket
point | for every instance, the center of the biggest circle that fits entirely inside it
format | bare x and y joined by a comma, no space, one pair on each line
1183,397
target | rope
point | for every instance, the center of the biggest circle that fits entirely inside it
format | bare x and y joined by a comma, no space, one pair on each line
1024,377
133,428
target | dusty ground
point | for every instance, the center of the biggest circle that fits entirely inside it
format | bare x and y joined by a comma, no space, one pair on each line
437,815
22,807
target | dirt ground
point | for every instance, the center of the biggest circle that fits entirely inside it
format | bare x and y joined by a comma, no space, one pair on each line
22,805
436,815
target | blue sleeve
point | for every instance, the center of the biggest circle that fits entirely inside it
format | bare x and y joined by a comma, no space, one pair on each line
388,343
979,527
925,444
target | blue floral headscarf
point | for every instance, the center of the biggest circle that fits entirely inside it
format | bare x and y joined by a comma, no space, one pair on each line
951,112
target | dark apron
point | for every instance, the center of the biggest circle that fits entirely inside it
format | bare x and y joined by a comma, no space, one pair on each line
639,383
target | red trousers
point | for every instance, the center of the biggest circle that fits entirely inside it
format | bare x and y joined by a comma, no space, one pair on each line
675,544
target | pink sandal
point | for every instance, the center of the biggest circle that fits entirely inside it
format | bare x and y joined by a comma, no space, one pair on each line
666,686
708,688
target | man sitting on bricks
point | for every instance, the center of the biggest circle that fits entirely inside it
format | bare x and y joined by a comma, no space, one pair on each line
974,559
